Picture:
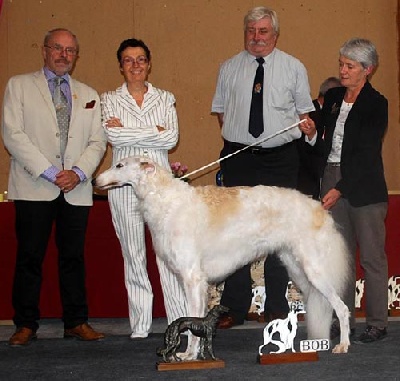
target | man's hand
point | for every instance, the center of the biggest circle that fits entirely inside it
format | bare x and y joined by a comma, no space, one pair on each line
308,127
67,180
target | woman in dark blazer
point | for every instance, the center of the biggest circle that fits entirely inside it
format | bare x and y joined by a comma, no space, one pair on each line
354,119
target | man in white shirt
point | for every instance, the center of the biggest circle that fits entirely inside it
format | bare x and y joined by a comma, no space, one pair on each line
285,100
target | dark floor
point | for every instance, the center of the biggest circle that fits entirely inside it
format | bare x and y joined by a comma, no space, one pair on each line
118,358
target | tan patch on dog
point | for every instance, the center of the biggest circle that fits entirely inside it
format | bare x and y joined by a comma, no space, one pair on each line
319,216
222,202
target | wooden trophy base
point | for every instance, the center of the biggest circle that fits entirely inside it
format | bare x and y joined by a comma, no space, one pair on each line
282,358
359,313
188,365
394,312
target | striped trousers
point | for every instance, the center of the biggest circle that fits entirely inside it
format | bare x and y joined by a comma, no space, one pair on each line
129,226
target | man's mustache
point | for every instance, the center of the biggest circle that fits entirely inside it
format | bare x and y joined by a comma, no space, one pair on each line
257,42
62,60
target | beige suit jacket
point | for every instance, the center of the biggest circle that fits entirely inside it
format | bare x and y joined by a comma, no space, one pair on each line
31,135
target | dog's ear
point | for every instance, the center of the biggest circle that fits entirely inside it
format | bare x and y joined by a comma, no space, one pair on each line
148,167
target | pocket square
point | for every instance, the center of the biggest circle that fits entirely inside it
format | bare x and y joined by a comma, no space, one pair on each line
90,104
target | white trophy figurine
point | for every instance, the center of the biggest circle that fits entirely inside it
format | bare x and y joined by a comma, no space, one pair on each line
281,332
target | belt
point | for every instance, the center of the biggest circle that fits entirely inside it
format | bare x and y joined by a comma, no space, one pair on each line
257,150
333,164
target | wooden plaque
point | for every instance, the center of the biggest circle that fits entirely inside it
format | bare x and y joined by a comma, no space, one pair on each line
282,358
187,365
394,312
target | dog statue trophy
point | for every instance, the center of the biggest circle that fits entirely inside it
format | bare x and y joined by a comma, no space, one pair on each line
204,328
281,333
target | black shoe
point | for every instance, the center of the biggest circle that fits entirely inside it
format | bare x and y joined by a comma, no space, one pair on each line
335,330
372,334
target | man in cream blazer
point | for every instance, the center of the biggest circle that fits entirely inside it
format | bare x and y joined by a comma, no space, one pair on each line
48,186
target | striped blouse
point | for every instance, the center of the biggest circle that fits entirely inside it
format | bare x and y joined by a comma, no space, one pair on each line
139,134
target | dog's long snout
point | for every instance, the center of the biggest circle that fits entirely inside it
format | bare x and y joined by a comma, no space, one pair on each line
104,181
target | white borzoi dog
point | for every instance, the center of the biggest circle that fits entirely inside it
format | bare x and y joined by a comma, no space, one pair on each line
205,233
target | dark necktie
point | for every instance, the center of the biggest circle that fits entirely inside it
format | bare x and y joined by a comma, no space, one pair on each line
62,112
256,122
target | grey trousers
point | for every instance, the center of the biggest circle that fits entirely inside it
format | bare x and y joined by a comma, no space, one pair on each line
363,226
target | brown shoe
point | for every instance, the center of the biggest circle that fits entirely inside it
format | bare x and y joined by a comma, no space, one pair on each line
83,332
254,316
226,322
22,336
261,318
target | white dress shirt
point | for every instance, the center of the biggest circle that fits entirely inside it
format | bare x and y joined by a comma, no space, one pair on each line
286,95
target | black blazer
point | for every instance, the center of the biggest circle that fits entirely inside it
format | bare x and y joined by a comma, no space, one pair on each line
310,162
363,179
316,115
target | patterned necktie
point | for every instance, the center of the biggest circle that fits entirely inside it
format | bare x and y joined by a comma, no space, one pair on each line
62,112
256,122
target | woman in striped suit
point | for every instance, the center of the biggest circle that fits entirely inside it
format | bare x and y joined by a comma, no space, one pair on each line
140,119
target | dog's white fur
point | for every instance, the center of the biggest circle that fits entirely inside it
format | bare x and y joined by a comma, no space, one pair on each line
205,233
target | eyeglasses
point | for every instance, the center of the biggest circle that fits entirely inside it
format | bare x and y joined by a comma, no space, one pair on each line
261,31
60,49
141,60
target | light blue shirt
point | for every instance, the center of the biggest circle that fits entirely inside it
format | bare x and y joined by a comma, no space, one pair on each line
286,95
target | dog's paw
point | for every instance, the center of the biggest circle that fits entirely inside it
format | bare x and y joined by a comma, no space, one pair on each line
160,351
341,348
186,356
